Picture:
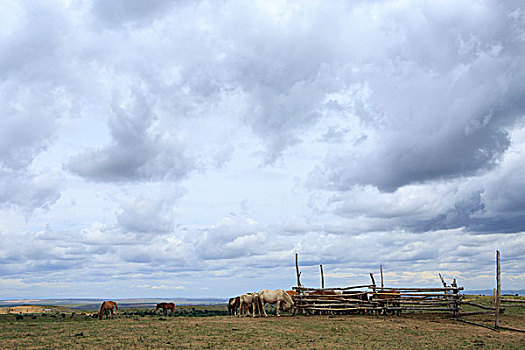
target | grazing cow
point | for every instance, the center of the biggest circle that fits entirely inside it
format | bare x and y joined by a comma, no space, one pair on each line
165,307
292,293
278,297
386,297
107,306
356,295
233,306
246,302
322,292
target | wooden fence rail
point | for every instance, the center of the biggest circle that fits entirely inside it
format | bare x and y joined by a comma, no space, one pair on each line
377,299
512,301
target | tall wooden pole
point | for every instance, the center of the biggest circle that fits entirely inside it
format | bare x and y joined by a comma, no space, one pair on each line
498,288
381,268
297,271
322,277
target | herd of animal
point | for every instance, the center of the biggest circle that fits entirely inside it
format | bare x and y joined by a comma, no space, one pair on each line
108,306
254,303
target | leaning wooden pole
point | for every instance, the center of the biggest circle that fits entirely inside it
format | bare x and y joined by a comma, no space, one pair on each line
498,289
381,268
322,277
297,270
373,282
442,280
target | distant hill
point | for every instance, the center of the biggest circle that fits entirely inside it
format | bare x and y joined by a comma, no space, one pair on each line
88,304
94,303
490,292
32,309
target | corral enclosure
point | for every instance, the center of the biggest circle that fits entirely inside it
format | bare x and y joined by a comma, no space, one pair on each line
343,318
142,328
125,331
378,299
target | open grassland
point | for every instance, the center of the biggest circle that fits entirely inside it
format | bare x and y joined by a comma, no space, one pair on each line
206,327
513,316
223,332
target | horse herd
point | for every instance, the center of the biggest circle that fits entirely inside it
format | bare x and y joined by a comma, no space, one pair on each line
108,306
254,303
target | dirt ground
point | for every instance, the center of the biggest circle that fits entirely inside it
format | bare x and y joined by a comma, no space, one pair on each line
225,332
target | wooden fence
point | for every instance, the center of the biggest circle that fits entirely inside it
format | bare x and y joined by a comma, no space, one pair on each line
498,307
373,299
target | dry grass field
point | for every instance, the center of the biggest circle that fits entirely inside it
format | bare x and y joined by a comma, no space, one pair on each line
33,309
68,331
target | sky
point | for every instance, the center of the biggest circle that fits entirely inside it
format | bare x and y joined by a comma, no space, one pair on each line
192,148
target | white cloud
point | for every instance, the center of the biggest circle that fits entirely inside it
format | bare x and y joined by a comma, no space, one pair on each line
144,143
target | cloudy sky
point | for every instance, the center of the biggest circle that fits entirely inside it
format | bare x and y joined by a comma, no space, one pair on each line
191,148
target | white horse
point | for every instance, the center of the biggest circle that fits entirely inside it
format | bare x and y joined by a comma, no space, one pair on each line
274,296
247,300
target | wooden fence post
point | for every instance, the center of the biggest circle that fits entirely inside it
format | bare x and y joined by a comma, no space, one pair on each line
456,298
373,282
443,281
381,268
322,277
498,289
297,271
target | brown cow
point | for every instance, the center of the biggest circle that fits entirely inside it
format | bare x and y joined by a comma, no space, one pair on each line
386,297
357,295
291,293
322,292
354,294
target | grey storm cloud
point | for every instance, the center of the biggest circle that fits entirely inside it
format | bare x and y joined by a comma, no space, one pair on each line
488,203
139,150
438,109
120,12
436,104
